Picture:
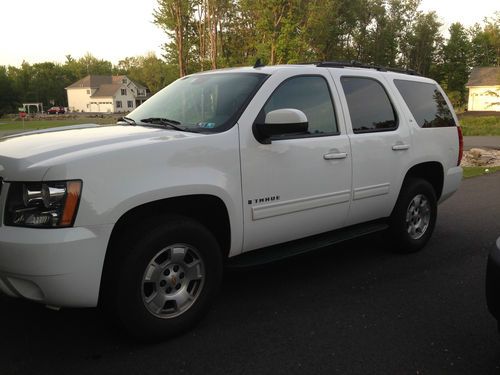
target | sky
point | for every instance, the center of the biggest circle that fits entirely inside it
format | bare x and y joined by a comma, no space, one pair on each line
48,30
466,12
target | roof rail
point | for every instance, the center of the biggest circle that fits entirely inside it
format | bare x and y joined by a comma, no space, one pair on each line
357,64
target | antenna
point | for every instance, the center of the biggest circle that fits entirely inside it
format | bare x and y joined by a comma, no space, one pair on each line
258,63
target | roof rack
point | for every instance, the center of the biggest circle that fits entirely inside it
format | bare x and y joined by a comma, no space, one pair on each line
357,64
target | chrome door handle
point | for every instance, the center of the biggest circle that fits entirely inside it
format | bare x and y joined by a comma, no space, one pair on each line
335,155
400,147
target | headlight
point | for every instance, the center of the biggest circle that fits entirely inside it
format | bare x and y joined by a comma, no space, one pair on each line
43,204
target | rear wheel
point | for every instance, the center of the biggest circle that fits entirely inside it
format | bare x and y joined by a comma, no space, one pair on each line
168,279
414,216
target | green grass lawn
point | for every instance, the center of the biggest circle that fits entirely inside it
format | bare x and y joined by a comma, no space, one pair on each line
480,125
479,171
8,125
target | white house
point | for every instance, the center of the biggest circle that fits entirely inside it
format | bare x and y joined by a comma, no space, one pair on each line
105,94
484,89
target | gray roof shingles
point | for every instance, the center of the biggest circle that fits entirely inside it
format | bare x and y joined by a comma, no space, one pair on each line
107,90
487,76
93,81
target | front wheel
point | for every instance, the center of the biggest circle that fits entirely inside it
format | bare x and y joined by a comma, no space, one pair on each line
414,216
168,279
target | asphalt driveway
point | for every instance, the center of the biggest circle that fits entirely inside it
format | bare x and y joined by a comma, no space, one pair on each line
482,142
350,309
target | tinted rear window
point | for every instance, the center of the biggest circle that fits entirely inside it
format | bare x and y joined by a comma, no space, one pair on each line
426,103
369,106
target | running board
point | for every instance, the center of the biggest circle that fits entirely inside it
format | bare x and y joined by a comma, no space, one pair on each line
304,245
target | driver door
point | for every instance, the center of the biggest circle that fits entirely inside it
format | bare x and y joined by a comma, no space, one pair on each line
298,185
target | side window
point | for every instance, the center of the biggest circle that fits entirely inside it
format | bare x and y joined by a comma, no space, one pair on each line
311,95
369,106
426,103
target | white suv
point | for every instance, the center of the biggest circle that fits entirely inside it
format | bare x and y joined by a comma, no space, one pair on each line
227,167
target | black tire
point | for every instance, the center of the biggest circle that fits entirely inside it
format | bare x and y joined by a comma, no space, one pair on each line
127,290
404,219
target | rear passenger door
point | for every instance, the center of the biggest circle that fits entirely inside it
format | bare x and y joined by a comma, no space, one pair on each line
380,143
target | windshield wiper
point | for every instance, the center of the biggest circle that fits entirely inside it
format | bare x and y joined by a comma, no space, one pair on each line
128,120
165,122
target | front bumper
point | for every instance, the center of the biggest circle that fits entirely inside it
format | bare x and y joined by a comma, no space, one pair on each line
493,281
58,267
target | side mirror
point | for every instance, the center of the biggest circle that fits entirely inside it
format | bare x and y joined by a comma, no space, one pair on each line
280,122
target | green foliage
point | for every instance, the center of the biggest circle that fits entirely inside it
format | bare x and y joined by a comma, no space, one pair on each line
480,125
485,42
8,96
147,70
174,18
455,67
423,43
456,99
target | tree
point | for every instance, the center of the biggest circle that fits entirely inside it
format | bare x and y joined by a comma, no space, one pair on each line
147,70
85,65
175,18
402,15
21,81
48,81
456,61
269,16
381,45
423,43
8,95
330,29
485,42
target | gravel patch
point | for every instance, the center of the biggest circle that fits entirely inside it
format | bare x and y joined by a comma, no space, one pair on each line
479,157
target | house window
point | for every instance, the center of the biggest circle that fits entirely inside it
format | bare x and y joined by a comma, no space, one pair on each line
118,104
88,92
124,91
130,104
124,80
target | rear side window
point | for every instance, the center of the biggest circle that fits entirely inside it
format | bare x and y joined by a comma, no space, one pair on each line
426,103
369,106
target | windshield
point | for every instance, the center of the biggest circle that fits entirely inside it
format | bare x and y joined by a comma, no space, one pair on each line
211,102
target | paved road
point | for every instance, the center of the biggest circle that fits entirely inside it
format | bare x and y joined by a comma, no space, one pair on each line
480,141
4,133
353,309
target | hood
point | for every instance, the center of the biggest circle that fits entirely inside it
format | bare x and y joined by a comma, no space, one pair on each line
27,156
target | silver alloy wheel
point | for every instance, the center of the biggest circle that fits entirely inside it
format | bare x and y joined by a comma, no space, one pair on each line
418,216
173,280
